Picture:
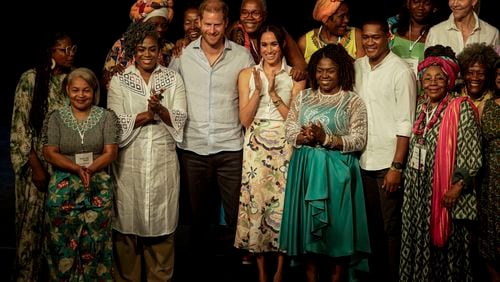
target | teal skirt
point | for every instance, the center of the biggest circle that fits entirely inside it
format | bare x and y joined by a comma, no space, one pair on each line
324,209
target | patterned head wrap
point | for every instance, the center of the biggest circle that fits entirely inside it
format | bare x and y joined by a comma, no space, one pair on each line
324,9
448,65
143,10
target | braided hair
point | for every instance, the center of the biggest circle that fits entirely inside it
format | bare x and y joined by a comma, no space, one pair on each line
339,56
43,76
135,35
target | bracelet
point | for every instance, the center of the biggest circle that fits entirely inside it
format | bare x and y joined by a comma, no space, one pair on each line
327,140
278,102
333,141
396,169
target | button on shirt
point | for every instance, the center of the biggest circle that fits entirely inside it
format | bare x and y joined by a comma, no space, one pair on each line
213,123
447,33
389,92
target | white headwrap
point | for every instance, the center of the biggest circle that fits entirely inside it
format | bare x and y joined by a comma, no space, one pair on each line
162,12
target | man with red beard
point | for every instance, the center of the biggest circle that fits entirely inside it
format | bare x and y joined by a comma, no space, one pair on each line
211,151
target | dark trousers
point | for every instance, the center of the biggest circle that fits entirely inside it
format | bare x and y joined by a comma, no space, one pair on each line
383,211
204,176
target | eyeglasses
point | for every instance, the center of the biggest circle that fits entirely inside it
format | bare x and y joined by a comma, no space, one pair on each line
438,79
255,13
68,50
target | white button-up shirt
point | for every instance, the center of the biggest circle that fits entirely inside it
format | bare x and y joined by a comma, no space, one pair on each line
389,93
213,123
447,33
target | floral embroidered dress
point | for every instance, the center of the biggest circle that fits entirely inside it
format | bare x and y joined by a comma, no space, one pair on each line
324,210
146,171
29,201
420,259
78,221
266,154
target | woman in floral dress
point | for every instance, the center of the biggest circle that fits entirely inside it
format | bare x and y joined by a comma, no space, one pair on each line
265,92
80,141
38,92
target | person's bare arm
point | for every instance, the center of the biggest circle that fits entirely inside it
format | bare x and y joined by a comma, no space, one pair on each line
295,58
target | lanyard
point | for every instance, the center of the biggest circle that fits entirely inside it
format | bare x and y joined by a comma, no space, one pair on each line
81,132
81,129
427,118
416,41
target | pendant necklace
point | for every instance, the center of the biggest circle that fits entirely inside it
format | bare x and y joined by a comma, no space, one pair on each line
412,45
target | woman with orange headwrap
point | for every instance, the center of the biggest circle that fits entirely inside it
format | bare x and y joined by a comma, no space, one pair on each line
334,16
439,198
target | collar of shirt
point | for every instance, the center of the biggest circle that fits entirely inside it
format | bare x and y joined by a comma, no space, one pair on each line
284,66
452,25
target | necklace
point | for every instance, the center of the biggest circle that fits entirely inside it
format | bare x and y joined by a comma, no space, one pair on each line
412,45
322,41
418,129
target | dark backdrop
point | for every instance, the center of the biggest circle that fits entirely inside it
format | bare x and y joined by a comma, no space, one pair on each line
32,20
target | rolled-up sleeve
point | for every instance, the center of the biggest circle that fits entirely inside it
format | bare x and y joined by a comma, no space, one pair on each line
406,93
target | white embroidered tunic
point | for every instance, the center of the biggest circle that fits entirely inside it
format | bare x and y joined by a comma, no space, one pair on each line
146,172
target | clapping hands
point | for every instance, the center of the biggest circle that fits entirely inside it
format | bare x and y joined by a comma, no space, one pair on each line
311,134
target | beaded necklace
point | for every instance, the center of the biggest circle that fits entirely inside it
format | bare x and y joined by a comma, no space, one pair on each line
418,129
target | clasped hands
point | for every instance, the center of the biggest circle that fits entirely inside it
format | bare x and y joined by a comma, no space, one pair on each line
311,134
85,175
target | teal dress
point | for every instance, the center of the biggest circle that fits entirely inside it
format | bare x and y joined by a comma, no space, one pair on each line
324,209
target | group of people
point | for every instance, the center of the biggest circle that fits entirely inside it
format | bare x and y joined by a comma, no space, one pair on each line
363,153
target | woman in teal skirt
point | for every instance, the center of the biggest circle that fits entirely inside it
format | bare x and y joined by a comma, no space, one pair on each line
324,215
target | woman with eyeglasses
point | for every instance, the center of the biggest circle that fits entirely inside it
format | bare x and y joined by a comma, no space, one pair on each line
39,91
439,205
253,14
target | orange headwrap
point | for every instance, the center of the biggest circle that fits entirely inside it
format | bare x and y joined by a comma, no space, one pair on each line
325,8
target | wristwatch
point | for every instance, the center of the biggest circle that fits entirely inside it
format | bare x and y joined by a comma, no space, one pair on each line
397,166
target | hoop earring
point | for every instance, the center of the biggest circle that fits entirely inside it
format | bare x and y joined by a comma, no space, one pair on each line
53,65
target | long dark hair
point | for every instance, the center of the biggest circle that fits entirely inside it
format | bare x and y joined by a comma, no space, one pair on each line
43,76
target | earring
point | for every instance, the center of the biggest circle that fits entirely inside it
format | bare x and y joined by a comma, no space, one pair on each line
53,65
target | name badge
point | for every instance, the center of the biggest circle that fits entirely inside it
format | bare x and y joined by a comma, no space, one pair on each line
417,160
84,159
